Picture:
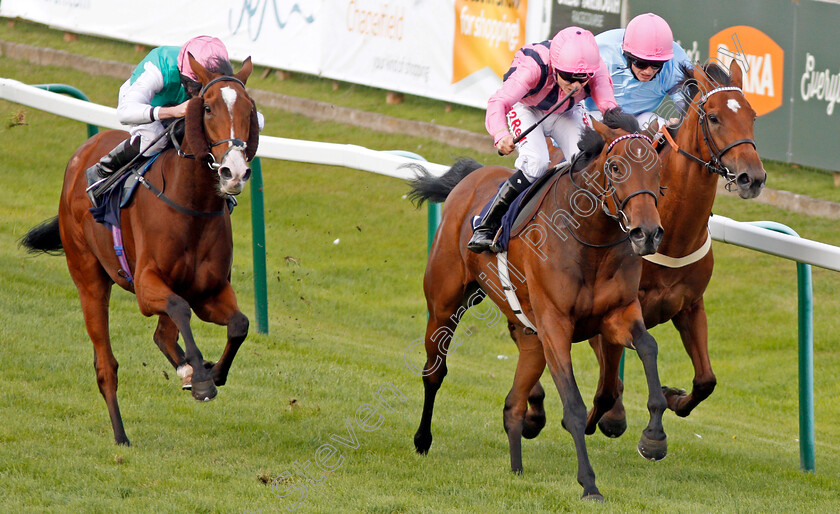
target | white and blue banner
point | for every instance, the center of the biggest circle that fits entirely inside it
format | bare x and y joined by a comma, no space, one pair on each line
453,50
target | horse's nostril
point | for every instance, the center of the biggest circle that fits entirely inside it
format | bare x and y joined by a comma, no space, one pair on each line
247,175
637,234
744,179
225,173
658,234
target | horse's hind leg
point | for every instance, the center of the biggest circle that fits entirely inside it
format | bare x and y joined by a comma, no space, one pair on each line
222,309
94,287
534,420
444,300
155,297
607,408
529,368
692,326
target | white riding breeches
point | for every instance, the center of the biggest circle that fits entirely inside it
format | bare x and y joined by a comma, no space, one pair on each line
147,133
564,128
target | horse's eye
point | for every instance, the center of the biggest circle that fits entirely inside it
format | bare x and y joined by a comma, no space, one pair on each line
206,109
713,118
614,167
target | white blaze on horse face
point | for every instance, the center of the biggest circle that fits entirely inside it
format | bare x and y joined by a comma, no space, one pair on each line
229,96
234,161
733,104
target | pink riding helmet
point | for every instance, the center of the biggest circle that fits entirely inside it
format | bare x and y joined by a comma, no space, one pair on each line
204,49
649,37
574,50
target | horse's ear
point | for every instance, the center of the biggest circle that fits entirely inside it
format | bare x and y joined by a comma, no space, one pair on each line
253,134
735,73
603,130
200,71
194,132
245,72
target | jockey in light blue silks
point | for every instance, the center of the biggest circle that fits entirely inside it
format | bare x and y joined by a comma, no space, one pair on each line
644,64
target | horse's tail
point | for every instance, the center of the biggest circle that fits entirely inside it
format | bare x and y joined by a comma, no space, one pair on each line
429,187
44,238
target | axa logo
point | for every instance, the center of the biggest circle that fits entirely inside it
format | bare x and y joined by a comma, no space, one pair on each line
761,59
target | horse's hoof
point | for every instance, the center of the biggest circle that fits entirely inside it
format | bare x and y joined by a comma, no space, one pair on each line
422,442
204,391
594,497
651,449
612,427
674,396
532,426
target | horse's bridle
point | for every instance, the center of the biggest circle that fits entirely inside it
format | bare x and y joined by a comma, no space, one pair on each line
608,190
236,143
714,164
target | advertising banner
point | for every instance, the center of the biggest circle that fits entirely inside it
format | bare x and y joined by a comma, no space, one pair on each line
279,33
453,50
595,16
791,70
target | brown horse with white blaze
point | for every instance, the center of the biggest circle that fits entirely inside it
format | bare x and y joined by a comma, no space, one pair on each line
177,242
579,271
714,139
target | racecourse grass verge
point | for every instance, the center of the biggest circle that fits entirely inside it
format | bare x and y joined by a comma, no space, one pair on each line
341,317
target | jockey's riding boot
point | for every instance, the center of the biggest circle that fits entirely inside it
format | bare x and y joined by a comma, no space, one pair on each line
485,233
121,155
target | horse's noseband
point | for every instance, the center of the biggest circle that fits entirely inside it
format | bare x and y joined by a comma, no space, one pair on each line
619,215
236,144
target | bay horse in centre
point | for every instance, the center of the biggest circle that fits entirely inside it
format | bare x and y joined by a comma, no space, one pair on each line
578,266
177,238
715,139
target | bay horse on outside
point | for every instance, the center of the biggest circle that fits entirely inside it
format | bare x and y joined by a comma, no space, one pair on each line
715,139
579,270
177,241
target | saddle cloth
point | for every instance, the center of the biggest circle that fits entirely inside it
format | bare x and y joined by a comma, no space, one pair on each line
523,209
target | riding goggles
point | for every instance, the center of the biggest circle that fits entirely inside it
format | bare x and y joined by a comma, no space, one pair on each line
574,77
643,64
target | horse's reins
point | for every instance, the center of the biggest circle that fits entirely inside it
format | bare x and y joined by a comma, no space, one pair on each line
609,191
714,164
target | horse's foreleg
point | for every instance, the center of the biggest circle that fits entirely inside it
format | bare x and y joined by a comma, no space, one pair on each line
529,368
691,324
557,342
607,410
653,444
155,297
222,309
95,292
166,337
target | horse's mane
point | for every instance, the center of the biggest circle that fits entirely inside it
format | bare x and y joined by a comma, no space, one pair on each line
689,85
591,143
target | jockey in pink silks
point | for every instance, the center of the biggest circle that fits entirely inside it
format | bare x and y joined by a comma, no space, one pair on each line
539,76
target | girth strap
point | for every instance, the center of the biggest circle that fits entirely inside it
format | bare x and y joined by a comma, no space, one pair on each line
510,293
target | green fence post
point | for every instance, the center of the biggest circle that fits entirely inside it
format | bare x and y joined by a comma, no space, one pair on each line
434,221
70,91
806,354
258,241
